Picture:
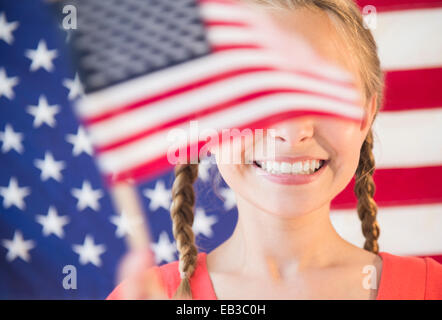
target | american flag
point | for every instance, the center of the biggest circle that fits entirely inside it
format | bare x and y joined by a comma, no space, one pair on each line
55,210
174,61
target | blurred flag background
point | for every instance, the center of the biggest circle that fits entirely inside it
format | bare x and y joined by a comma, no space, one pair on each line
55,210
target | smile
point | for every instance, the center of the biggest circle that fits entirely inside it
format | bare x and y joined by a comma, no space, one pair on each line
299,172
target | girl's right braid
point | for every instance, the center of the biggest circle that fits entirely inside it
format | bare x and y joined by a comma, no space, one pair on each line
182,214
364,190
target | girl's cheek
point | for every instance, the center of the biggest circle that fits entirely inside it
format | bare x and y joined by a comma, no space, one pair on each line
342,135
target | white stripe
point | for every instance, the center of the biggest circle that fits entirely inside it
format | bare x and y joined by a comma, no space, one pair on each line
408,138
409,39
404,230
127,92
195,100
136,153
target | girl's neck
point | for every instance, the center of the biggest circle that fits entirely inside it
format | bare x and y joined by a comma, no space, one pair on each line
293,244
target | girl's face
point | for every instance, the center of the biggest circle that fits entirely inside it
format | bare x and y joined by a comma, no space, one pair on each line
336,141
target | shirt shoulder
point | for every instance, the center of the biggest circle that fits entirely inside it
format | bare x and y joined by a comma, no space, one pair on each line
118,292
411,278
200,283
434,280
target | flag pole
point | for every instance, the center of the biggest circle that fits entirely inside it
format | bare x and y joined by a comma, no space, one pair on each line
126,200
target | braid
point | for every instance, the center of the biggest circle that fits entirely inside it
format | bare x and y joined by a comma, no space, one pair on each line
364,190
182,214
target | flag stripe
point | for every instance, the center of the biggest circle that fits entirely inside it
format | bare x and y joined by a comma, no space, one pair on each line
410,31
393,5
404,230
408,138
400,186
413,89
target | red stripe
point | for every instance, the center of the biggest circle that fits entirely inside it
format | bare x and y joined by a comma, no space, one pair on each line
219,23
228,2
400,186
393,5
153,168
229,104
228,47
413,89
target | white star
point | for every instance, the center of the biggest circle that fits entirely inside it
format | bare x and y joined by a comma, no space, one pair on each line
164,249
80,141
203,223
229,198
87,197
18,247
49,167
43,113
41,57
124,224
52,222
11,139
6,29
159,197
89,252
14,195
6,84
74,86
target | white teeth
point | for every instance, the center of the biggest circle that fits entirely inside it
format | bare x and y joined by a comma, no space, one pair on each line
286,167
300,167
306,166
297,167
275,166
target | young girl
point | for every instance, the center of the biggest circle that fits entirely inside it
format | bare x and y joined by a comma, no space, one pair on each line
283,224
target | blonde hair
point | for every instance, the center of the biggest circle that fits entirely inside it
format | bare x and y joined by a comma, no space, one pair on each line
350,22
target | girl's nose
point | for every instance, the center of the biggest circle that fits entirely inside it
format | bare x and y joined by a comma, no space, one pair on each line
294,131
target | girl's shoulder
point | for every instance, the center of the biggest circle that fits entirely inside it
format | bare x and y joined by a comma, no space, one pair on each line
406,277
200,283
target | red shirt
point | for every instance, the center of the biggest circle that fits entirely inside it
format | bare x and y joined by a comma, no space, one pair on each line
402,278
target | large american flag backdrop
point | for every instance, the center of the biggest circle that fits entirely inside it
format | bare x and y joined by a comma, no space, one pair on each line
56,211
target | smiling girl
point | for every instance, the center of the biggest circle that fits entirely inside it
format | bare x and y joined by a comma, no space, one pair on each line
283,200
